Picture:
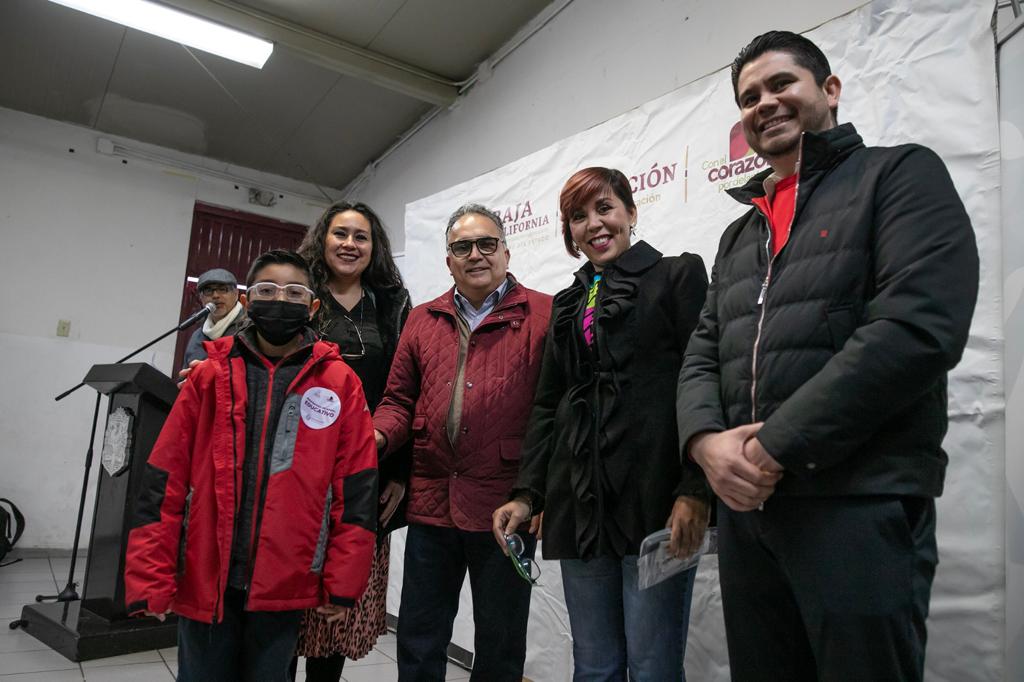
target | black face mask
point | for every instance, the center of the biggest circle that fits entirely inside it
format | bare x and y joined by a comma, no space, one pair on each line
278,322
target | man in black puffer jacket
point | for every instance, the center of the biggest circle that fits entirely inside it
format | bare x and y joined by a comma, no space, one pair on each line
813,392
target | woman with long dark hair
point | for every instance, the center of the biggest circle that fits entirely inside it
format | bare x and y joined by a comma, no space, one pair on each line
364,305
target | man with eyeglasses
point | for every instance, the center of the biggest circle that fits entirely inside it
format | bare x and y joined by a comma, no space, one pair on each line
461,386
259,499
217,286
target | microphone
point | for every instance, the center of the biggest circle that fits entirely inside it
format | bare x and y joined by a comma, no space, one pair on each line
196,316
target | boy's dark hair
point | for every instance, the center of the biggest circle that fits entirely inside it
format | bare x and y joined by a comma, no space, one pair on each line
277,257
804,53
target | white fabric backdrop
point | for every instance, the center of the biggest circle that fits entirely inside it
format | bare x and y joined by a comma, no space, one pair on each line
921,71
1011,108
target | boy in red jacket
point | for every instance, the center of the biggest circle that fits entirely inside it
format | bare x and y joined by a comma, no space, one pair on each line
259,499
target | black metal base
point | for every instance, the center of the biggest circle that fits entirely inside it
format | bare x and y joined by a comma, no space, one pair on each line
80,635
69,593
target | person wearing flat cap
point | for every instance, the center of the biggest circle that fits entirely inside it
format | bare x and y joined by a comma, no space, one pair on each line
217,286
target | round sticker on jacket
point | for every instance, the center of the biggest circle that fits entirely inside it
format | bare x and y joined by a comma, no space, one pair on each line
320,407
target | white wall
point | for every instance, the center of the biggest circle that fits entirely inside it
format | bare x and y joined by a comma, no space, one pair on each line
103,244
1011,104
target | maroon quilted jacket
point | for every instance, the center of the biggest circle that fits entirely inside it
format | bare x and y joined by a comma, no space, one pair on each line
461,486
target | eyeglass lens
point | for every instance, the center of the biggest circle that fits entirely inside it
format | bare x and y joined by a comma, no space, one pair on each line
525,567
515,544
485,245
211,289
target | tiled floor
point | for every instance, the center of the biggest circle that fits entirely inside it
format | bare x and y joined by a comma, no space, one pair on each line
24,658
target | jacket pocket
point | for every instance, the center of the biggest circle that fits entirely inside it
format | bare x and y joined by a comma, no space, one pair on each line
183,541
419,427
325,529
510,449
842,323
283,453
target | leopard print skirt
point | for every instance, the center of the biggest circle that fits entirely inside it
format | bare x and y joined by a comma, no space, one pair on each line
354,636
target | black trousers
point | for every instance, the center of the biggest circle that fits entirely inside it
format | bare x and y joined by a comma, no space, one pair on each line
249,646
436,560
319,669
829,589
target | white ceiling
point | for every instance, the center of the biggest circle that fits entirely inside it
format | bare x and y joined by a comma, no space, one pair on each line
302,116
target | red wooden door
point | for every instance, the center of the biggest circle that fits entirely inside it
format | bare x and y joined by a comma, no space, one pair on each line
222,238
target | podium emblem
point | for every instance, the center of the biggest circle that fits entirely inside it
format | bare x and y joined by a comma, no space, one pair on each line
117,442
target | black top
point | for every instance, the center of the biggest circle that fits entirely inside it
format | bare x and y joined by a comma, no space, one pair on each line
360,341
379,317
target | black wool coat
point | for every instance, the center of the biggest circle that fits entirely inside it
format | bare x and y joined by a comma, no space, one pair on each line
601,454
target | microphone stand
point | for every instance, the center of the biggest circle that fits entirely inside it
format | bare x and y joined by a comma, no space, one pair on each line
206,310
70,593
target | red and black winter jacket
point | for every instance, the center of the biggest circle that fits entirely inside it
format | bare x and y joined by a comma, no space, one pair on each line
313,534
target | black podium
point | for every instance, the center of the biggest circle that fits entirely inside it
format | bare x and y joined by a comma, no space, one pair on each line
98,625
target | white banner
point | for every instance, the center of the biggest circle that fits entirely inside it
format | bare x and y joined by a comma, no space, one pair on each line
912,71
1011,111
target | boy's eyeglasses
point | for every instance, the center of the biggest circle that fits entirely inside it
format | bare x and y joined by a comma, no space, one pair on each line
485,245
527,569
267,291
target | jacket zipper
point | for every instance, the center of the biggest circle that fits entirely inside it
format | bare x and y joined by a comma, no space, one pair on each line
222,575
762,296
261,470
320,553
258,483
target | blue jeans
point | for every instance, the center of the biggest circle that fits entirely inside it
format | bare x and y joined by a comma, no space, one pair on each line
436,560
254,646
617,627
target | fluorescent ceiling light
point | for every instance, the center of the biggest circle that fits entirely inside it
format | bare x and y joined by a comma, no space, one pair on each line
180,27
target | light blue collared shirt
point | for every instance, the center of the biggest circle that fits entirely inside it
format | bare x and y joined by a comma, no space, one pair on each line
473,316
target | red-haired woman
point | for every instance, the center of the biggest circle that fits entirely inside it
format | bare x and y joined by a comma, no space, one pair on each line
601,453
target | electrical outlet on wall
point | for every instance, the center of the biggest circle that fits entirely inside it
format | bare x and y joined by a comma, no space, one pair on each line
63,327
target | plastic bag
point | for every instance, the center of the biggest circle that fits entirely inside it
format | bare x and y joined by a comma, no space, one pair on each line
655,564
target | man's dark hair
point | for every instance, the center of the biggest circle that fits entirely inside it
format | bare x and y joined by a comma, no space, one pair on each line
277,257
476,209
804,53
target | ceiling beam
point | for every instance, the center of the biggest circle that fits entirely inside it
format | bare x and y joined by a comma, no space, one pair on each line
326,51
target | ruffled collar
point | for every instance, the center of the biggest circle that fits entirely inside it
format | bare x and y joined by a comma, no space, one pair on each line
619,282
638,259
596,387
